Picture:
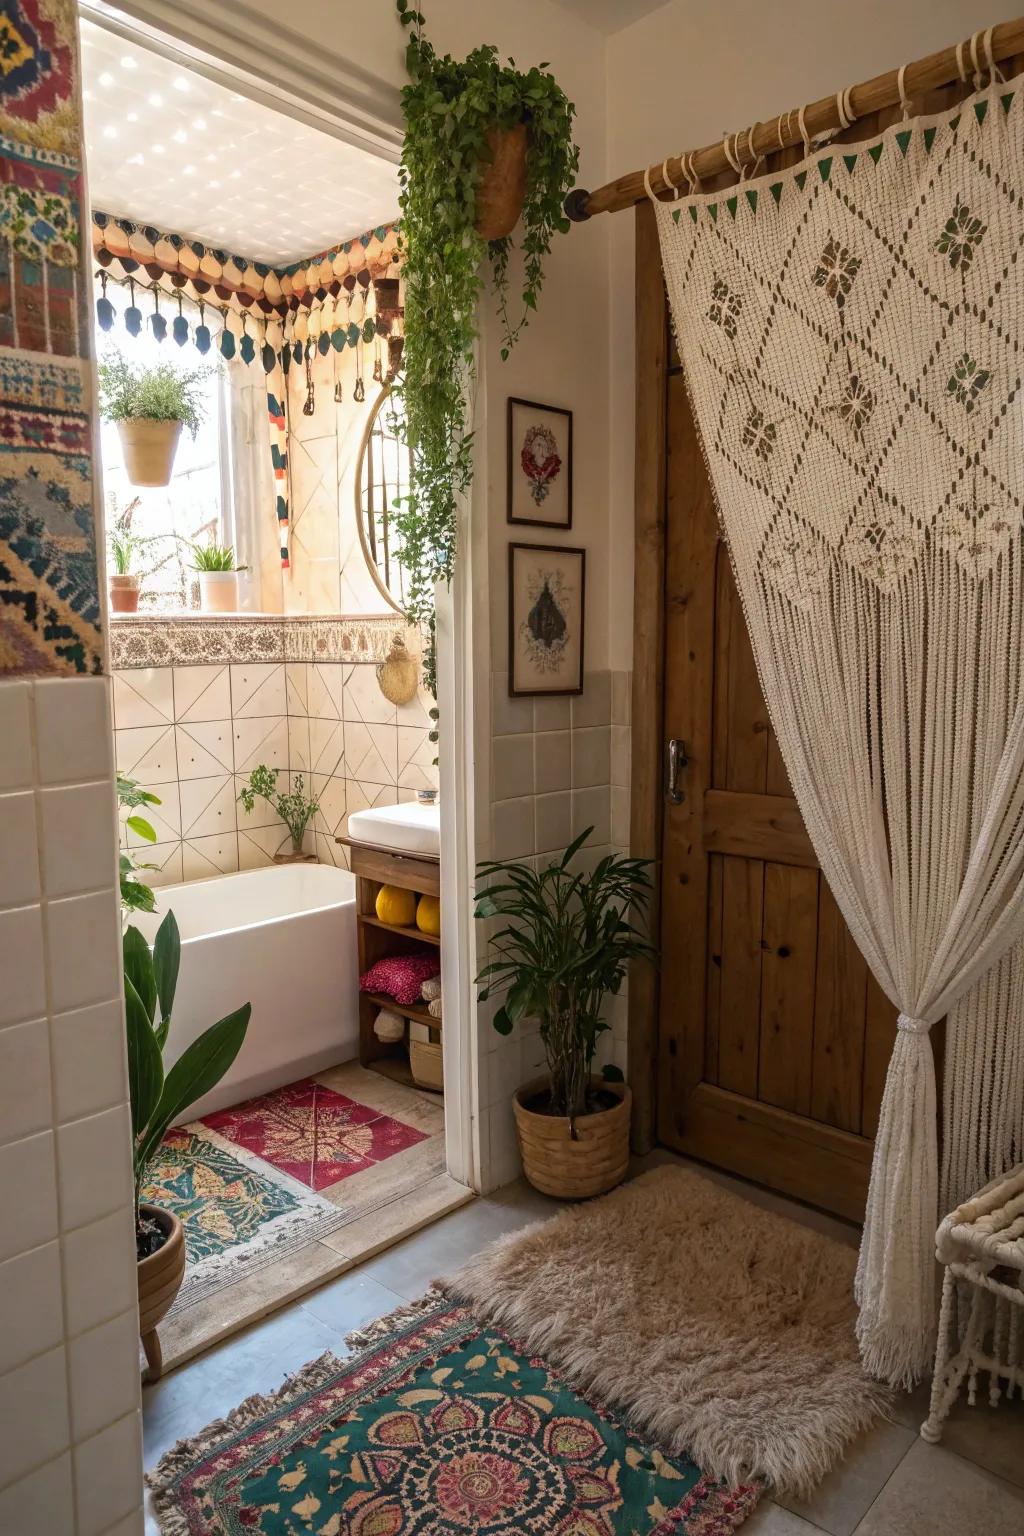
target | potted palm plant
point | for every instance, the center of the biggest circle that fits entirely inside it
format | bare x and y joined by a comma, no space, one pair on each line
565,946
150,406
158,1097
218,577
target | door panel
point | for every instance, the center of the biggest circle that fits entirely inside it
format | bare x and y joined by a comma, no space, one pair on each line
773,1038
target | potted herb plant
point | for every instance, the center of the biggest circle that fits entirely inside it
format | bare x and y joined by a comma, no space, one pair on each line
296,809
218,577
484,142
150,407
123,583
566,945
160,1095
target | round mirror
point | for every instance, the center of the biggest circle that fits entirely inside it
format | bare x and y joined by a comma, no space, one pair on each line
382,475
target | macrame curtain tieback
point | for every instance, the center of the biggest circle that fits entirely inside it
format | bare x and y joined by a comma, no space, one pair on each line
912,1026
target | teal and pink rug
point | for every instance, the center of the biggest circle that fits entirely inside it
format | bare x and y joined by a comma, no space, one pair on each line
437,1426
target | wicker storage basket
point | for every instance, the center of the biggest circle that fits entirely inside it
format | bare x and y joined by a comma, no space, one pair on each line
425,1064
568,1167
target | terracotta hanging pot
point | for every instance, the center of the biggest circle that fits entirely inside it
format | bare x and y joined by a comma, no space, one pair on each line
159,1279
573,1159
124,593
149,448
502,188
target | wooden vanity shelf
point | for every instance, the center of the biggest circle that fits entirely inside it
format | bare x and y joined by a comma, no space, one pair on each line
373,867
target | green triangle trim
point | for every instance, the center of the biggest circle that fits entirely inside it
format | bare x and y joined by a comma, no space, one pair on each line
850,161
875,151
713,210
980,108
825,168
675,214
954,123
1007,100
776,191
693,212
929,138
732,203
903,139
752,200
801,179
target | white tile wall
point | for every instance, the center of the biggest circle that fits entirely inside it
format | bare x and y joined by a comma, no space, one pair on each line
70,1455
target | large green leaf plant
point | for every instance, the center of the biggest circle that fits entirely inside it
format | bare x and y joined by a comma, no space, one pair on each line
159,1095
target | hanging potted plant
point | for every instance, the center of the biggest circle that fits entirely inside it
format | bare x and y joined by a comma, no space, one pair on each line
150,407
159,1096
564,948
485,144
218,577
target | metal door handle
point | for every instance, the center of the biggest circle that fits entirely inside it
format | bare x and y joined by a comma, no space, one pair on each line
676,759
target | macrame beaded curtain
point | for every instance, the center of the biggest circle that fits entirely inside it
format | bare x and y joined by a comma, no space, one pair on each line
847,330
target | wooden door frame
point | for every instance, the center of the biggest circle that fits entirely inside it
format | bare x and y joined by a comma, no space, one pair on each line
647,710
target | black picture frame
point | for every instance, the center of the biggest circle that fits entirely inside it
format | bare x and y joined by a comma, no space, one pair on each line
514,510
517,684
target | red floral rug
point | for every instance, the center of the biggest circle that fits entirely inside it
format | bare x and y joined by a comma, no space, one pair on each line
312,1133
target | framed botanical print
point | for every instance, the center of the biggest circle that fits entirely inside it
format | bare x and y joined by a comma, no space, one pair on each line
545,619
539,464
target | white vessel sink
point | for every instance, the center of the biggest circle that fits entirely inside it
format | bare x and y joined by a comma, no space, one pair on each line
410,828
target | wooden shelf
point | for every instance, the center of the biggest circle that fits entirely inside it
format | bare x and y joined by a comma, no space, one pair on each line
406,932
417,1011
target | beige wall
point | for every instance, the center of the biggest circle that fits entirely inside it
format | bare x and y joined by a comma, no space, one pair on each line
696,69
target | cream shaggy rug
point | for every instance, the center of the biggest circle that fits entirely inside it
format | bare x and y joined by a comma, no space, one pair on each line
721,1329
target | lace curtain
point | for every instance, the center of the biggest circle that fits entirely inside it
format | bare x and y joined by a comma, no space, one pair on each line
850,332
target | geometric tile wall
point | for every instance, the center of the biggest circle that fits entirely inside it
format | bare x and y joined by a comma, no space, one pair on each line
192,734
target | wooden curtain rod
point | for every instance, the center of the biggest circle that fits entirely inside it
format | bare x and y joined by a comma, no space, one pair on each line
782,132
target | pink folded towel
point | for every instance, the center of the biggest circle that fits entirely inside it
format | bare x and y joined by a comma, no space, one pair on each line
400,976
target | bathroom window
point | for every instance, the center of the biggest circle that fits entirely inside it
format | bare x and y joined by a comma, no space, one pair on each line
193,507
383,478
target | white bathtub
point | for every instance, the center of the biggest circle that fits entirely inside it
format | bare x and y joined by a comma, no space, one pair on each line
282,939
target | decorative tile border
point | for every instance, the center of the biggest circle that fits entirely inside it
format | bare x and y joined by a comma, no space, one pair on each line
202,639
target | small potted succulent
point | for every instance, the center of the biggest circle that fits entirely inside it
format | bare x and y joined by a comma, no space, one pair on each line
218,577
296,809
567,943
150,406
160,1095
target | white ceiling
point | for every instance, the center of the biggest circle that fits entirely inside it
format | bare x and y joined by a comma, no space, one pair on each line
612,15
167,147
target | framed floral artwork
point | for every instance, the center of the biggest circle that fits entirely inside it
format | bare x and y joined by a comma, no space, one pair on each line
545,619
539,464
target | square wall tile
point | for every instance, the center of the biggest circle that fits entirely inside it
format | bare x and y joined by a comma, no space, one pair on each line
296,680
95,1167
202,693
99,1270
362,698
89,1068
371,752
258,690
204,857
594,705
298,744
79,838
511,766
207,806
28,1194
512,830
590,756
42,1502
554,821
85,944
108,1476
23,993
509,717
326,696
30,1305
132,1525
592,808
104,1370
143,696
326,745
25,1104
552,761
553,714
19,855
146,753
204,748
622,697
263,739
73,729
34,1413
15,735
165,818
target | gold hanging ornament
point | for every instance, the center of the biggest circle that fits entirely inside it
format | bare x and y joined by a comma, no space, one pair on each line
398,678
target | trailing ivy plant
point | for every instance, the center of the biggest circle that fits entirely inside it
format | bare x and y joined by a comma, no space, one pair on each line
449,108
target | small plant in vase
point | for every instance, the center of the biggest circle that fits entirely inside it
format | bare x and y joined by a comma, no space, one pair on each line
218,577
150,406
296,809
566,946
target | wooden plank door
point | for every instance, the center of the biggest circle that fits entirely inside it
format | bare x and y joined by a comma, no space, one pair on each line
773,1036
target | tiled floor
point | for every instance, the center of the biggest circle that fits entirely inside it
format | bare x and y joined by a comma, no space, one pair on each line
890,1484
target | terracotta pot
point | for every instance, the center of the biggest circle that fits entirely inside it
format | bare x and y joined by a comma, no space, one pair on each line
124,593
159,1278
149,448
502,188
574,1160
218,591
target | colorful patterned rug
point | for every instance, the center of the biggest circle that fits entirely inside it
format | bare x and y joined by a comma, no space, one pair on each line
312,1133
238,1213
437,1427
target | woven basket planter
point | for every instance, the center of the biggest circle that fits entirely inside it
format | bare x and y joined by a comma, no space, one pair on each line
149,448
502,188
159,1278
574,1166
